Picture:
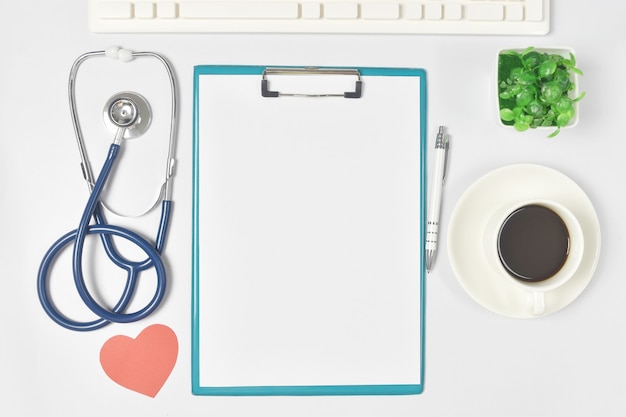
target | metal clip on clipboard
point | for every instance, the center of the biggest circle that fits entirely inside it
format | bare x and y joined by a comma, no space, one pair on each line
266,92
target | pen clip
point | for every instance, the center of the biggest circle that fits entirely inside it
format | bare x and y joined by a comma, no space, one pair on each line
442,142
445,158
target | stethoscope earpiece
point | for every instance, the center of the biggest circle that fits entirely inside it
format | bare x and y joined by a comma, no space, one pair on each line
115,52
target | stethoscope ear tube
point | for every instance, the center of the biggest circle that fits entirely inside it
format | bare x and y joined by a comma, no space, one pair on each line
125,55
133,269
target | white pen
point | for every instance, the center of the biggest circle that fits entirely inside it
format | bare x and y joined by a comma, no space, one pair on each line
434,206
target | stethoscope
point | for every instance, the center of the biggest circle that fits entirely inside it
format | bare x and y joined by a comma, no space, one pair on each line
128,115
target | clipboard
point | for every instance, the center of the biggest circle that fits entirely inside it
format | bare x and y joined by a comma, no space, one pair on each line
308,231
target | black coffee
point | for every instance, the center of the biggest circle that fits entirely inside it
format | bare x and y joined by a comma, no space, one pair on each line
533,243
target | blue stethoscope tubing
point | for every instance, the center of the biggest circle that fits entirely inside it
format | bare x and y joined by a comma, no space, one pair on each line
107,231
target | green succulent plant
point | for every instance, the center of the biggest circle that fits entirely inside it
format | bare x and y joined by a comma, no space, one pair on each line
534,89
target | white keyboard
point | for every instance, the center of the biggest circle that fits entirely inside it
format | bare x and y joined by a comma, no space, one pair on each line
502,17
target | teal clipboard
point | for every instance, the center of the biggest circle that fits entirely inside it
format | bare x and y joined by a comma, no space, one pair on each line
308,231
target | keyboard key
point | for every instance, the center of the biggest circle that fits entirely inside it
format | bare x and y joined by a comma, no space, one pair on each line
485,11
382,10
413,11
534,10
144,10
514,12
341,10
311,10
452,11
432,11
167,10
115,10
239,10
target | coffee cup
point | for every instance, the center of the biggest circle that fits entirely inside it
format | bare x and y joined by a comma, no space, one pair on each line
537,245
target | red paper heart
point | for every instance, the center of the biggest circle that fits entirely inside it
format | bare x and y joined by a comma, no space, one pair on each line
142,364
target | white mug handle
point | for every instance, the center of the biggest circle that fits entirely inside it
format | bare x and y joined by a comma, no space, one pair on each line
539,303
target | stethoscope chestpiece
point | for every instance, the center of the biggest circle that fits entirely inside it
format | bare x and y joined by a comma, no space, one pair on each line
127,110
123,112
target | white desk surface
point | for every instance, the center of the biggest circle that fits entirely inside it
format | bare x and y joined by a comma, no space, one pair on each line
478,363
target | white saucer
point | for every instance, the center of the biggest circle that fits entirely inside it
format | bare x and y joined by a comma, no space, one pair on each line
470,217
